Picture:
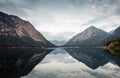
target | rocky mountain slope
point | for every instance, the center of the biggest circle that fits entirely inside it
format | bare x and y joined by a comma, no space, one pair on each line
15,31
113,36
92,36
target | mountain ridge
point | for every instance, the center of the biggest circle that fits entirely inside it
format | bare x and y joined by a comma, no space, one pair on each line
15,31
89,37
114,35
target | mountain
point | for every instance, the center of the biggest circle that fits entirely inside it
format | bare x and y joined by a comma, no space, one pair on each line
113,36
58,43
15,31
110,32
92,36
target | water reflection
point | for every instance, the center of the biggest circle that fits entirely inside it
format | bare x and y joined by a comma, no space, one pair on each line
60,63
93,57
15,63
77,63
115,56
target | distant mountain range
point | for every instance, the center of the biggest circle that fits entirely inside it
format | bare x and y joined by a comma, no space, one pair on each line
58,43
92,36
15,31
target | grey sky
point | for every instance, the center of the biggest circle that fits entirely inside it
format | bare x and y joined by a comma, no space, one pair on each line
59,16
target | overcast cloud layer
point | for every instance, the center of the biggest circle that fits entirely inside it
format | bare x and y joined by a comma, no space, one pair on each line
59,16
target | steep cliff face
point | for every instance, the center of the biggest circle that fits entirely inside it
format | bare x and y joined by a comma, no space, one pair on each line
16,32
7,25
24,28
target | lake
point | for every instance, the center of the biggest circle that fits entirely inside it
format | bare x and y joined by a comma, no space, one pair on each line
59,63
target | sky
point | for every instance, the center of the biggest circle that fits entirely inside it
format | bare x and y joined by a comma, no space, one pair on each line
63,17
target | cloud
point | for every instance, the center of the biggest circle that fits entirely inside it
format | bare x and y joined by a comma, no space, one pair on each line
58,36
98,75
71,74
57,74
108,71
105,7
105,22
106,14
58,56
9,7
58,16
18,7
79,2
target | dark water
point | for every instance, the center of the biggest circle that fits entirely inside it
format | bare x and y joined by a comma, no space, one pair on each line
15,63
59,63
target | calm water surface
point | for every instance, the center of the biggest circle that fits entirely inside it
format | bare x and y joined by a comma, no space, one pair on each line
77,63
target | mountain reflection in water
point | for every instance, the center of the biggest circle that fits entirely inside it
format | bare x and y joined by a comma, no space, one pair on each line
60,63
18,62
93,57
